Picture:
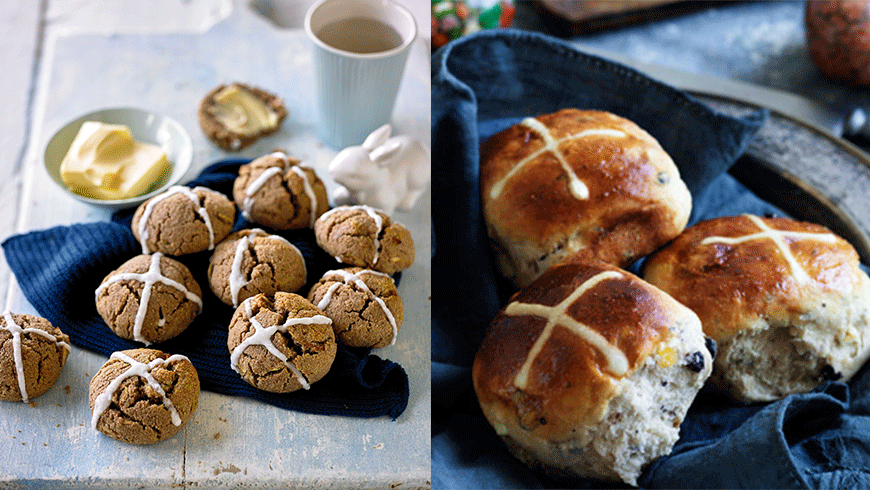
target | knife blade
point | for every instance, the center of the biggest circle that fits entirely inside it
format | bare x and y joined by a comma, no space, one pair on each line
851,124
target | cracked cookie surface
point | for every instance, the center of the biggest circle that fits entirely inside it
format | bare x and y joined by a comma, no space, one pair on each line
183,221
280,344
364,306
278,192
363,236
37,360
143,396
172,301
250,262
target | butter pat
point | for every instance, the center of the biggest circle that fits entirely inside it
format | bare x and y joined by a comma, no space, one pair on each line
105,162
243,112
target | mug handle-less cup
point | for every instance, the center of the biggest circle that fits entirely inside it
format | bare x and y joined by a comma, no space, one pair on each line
355,92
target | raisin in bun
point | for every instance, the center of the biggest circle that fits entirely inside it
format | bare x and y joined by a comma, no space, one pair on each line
785,301
588,372
586,181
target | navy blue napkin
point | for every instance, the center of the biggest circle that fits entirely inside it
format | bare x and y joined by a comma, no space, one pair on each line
488,81
59,269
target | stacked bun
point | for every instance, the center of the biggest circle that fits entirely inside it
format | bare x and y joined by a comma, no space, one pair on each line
586,182
589,372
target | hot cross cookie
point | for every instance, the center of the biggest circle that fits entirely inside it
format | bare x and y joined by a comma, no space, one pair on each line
150,298
143,396
577,181
363,236
32,355
280,344
279,192
589,371
364,306
785,300
183,221
252,261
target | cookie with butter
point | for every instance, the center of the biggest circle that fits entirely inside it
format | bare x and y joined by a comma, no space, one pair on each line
234,116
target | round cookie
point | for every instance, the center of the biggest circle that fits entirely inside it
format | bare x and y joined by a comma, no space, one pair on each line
364,306
183,221
32,355
143,396
235,116
278,192
250,262
589,371
363,236
150,298
576,182
280,344
785,300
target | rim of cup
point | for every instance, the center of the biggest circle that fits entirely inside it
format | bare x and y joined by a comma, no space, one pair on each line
406,40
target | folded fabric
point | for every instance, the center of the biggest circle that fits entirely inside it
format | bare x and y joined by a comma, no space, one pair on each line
59,269
488,81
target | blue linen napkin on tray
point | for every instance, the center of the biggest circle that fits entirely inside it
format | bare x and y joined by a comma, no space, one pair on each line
59,269
488,81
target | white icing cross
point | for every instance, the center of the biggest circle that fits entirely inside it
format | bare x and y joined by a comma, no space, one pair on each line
148,279
309,191
776,236
347,278
263,336
16,332
617,363
104,399
261,179
576,186
176,189
237,279
373,214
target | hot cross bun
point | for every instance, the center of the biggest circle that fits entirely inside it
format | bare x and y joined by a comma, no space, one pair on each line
589,372
574,181
785,300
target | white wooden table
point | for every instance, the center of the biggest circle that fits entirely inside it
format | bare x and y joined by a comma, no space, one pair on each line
66,58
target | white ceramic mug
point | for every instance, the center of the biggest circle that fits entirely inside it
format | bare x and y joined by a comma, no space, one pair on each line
356,91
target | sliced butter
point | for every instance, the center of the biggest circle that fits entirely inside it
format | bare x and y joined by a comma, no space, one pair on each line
105,162
242,112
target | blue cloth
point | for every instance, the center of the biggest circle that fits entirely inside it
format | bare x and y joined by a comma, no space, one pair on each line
488,81
59,269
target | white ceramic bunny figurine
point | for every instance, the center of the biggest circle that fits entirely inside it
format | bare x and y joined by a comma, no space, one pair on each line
384,172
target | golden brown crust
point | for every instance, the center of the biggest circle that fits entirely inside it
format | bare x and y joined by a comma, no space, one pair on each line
730,286
636,201
570,381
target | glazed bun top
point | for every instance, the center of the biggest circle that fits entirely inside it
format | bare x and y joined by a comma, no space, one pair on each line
578,180
556,354
741,271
